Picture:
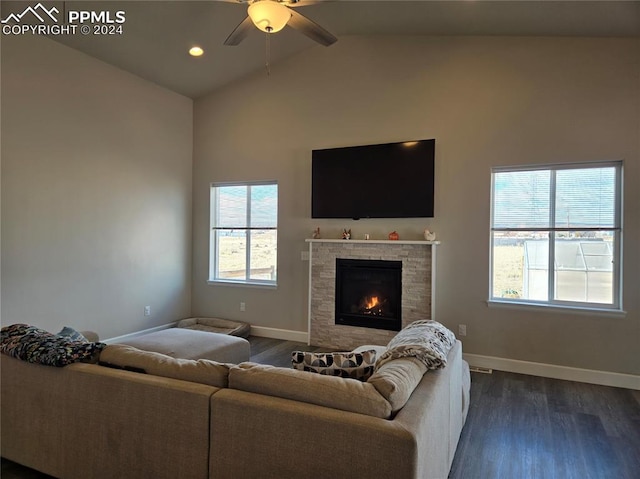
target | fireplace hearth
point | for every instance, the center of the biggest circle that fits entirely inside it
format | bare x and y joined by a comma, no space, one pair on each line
368,293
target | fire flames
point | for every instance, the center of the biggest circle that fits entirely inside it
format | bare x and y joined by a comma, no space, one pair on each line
373,305
371,302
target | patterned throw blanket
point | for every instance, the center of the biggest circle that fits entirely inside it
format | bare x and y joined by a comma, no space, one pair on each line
36,345
427,340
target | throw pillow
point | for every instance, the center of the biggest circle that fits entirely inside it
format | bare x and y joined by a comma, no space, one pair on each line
344,364
36,345
427,340
72,334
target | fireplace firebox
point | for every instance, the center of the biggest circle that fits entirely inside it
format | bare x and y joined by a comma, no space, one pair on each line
368,293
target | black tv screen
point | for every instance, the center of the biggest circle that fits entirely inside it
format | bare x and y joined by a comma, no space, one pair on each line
392,180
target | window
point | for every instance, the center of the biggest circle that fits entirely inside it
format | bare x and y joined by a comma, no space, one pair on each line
244,233
556,235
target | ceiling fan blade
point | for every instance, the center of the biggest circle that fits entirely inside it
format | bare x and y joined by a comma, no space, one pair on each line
288,3
302,3
310,29
240,32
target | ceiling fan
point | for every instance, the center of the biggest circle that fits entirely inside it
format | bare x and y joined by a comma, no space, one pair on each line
271,16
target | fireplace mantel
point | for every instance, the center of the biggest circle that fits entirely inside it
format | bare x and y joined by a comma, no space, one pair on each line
418,284
369,241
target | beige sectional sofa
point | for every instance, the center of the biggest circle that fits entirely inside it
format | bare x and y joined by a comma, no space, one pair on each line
199,419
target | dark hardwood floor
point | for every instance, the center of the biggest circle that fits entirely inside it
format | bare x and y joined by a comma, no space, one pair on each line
530,427
519,427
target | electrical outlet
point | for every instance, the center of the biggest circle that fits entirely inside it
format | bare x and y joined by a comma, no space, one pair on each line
462,329
242,306
147,310
304,255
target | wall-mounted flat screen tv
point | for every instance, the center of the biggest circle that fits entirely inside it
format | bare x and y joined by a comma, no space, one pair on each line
391,180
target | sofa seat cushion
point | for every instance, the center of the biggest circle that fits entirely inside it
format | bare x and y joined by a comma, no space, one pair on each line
329,391
36,345
200,371
350,364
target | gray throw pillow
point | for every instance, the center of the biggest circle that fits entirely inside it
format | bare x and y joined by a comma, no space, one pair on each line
71,334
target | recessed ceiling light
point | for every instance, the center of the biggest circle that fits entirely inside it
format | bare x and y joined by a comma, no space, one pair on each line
196,51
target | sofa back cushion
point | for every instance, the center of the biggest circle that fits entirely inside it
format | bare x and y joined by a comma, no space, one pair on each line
329,391
201,371
396,380
421,346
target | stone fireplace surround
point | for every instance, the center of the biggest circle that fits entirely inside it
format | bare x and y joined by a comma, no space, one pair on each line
418,274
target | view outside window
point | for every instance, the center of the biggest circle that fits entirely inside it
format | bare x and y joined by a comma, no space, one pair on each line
556,235
244,233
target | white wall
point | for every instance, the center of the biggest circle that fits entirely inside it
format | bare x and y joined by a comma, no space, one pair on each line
487,102
96,193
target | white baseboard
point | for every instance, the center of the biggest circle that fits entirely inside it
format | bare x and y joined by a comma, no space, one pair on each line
603,378
125,337
284,334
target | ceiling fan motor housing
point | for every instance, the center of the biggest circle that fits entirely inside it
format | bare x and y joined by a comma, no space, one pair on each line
269,15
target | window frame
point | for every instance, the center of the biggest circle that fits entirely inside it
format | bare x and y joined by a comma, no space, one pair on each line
214,276
617,279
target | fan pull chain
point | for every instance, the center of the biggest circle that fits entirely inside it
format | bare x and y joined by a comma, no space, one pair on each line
267,53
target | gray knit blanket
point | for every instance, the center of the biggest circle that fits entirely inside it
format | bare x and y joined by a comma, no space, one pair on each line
426,340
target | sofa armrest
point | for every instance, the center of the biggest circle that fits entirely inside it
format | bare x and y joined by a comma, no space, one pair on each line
437,405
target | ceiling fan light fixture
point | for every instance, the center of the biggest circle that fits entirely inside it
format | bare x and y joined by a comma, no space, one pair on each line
268,15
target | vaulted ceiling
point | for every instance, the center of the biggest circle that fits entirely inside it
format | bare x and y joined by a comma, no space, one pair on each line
157,34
